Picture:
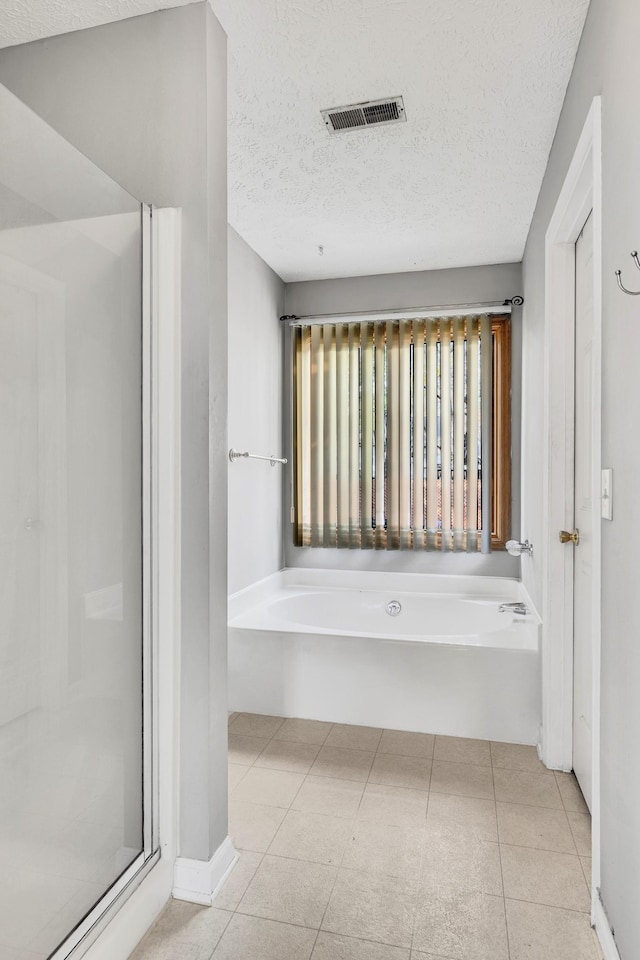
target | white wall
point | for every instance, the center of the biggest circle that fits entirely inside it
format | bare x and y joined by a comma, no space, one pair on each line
256,302
394,291
145,99
607,64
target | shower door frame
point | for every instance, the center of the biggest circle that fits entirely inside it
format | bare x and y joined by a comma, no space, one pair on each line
89,929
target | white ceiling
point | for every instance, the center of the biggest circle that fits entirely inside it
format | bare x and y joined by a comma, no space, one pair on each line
483,83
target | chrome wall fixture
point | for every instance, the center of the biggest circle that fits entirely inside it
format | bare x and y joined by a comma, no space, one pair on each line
236,455
517,547
631,293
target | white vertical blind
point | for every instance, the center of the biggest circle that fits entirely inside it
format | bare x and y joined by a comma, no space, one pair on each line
344,401
367,420
445,431
419,516
471,524
393,424
432,329
379,331
459,419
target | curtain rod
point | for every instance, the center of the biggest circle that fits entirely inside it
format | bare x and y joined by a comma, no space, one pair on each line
494,305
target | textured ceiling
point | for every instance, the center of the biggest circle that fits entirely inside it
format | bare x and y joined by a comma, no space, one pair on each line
483,83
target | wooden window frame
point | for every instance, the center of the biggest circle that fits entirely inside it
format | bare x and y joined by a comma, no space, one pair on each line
501,440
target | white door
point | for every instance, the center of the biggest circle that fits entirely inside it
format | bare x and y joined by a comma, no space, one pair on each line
584,493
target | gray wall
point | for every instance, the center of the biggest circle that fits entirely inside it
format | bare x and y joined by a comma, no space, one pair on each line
393,291
256,302
145,99
607,64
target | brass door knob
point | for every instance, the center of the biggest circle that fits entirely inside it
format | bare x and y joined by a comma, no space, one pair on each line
572,536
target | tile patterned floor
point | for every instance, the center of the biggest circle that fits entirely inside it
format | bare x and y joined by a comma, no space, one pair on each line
365,844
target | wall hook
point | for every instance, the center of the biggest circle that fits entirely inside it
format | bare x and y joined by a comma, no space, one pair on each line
636,260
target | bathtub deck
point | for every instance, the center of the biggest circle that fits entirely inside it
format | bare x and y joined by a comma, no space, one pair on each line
362,844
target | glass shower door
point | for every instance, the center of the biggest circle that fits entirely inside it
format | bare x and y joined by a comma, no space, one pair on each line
74,807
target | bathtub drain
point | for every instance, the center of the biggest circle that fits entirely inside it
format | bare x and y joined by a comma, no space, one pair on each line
393,608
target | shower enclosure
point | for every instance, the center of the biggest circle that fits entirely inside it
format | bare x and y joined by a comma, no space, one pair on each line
77,817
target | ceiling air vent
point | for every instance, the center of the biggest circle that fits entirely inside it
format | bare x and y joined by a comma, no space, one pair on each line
371,113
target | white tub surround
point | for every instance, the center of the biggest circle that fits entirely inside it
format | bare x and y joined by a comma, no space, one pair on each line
321,644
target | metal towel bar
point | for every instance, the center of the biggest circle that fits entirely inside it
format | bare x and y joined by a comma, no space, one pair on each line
235,455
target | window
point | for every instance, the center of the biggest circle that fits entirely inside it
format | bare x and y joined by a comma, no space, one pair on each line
402,434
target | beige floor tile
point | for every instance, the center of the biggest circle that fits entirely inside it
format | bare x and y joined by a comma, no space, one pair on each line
312,836
539,827
245,750
470,926
152,948
335,946
418,955
304,731
184,931
468,818
191,923
238,880
385,848
462,750
286,755
337,798
571,793
462,779
353,737
398,806
406,744
580,824
252,938
253,826
342,764
255,725
522,786
546,933
452,866
516,756
398,771
272,788
236,773
372,907
293,891
587,865
541,876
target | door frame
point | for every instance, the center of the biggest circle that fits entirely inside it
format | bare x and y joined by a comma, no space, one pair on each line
581,194
120,919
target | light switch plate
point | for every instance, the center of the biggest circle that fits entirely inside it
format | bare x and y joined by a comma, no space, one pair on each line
606,494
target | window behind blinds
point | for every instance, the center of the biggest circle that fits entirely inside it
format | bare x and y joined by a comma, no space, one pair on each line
394,434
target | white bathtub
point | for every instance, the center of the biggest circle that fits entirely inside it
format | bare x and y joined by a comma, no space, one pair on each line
320,644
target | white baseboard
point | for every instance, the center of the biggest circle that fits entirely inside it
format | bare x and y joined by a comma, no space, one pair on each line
198,881
603,930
